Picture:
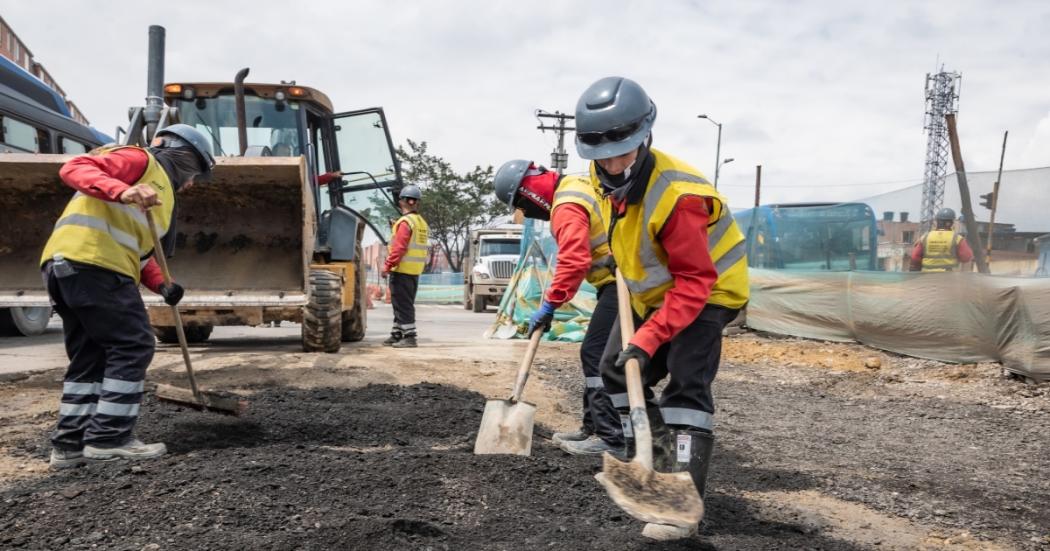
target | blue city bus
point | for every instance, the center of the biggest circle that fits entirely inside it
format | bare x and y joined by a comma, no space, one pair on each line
810,236
34,119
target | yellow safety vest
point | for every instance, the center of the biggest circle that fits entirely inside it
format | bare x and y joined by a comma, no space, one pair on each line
112,235
415,258
578,190
939,251
635,242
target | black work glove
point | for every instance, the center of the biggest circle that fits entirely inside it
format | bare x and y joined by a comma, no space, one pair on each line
633,351
172,293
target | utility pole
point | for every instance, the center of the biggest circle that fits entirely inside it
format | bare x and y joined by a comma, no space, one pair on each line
995,196
559,158
758,183
964,194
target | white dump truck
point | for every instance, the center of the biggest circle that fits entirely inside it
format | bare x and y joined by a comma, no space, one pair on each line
487,271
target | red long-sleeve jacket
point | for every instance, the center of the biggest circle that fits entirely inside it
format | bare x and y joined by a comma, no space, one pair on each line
398,247
570,225
105,177
684,237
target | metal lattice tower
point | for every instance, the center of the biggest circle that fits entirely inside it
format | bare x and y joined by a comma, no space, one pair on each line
942,98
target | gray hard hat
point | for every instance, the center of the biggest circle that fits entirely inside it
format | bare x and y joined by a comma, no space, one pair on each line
945,215
613,117
508,179
410,191
195,139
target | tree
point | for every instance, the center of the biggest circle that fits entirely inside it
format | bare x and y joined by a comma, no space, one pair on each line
453,204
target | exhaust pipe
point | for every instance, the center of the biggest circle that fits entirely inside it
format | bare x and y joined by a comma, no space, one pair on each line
242,123
154,81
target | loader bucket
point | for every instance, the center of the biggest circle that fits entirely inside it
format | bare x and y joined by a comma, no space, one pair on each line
243,239
31,198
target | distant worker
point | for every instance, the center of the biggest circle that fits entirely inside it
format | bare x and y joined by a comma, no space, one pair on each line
571,203
404,263
682,256
98,253
941,250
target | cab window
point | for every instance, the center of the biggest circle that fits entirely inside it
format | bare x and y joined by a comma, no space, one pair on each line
71,147
24,136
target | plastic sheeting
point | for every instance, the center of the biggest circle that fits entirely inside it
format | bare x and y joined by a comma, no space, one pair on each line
531,277
950,317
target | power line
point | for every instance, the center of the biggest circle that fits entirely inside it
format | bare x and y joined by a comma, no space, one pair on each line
559,158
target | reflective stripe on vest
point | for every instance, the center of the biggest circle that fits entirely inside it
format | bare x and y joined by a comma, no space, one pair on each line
939,251
577,190
643,260
108,234
415,259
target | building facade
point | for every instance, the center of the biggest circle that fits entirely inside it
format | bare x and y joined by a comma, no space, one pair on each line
15,50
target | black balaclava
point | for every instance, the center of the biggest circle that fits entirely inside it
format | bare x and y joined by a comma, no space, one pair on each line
625,186
180,163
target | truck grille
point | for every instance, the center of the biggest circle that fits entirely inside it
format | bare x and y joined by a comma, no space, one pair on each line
501,269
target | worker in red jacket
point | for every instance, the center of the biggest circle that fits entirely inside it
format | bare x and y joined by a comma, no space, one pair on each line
941,250
682,257
405,261
99,251
571,203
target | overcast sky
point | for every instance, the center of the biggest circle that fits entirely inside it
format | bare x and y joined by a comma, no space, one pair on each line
827,96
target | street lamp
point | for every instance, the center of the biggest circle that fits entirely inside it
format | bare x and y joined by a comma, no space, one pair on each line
718,147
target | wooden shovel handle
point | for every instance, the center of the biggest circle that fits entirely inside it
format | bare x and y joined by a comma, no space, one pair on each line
635,393
526,363
158,253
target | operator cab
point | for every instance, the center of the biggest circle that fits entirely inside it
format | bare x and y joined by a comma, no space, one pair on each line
286,120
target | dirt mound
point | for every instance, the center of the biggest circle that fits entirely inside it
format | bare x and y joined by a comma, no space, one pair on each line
378,467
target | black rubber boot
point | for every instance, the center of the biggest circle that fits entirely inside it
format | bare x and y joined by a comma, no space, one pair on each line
392,339
692,454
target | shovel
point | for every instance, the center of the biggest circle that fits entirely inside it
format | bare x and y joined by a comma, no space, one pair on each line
649,496
195,397
506,425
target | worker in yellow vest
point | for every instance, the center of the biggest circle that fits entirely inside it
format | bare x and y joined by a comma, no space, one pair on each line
406,260
682,256
941,250
571,203
100,250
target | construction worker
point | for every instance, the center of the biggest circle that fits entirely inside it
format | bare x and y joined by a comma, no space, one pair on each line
571,204
99,252
404,263
941,250
682,256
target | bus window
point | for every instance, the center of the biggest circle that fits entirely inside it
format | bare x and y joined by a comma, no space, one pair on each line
24,136
72,147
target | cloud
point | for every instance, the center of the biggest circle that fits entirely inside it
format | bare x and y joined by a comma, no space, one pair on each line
820,93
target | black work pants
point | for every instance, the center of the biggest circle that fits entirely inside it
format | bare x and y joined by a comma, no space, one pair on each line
403,289
599,415
691,359
110,344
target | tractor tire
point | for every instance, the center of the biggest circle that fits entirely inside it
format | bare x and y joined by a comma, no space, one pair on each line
322,315
478,303
355,320
29,321
194,334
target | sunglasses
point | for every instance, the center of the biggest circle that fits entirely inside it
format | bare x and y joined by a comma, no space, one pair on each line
618,134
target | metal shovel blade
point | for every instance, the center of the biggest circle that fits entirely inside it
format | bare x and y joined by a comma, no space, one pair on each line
506,428
649,496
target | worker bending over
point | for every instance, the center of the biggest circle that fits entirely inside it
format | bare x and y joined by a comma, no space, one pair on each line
682,256
571,203
100,250
407,258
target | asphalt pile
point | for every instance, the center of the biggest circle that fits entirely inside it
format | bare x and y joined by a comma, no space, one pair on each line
378,467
